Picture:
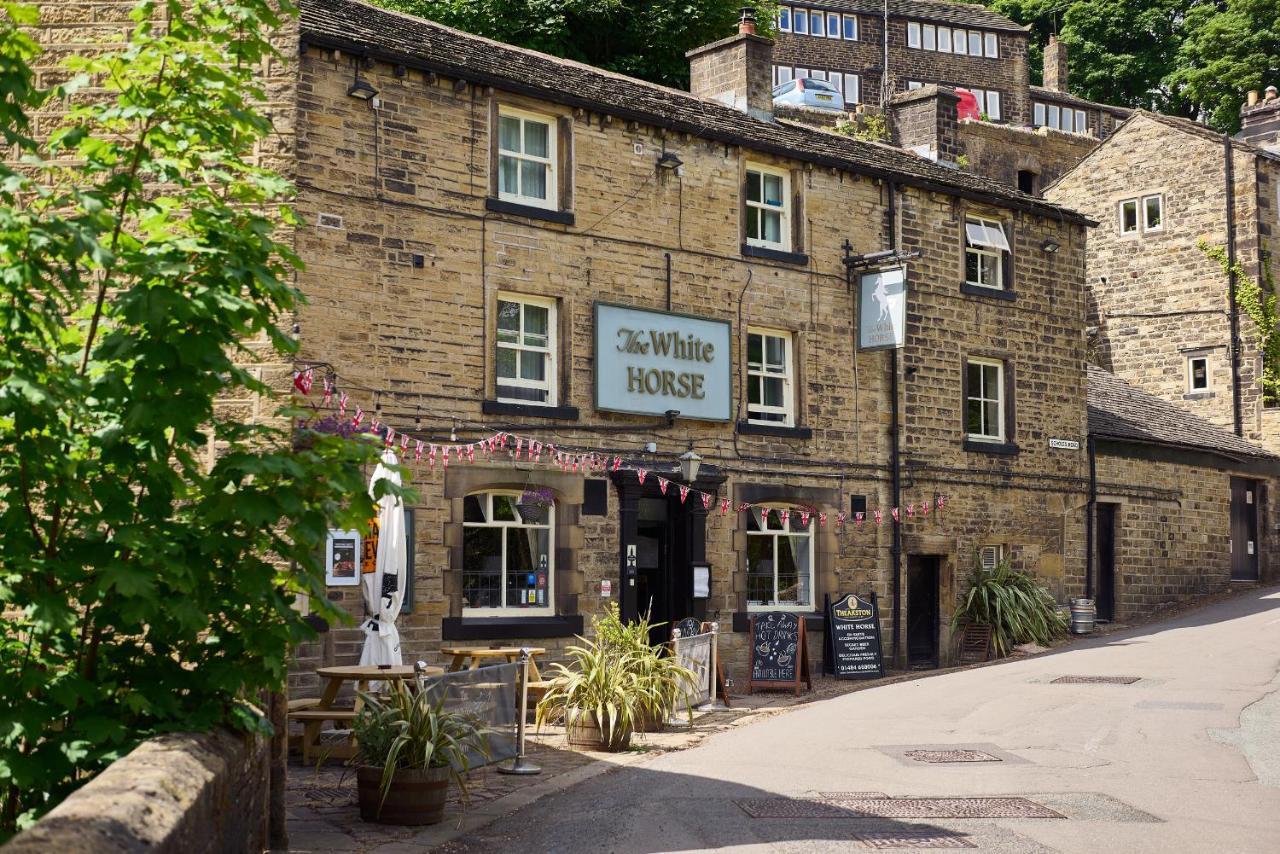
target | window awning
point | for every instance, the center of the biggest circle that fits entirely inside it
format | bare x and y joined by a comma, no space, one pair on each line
982,232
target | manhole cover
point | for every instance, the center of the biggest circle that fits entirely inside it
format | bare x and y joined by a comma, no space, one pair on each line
910,839
1095,680
895,808
938,757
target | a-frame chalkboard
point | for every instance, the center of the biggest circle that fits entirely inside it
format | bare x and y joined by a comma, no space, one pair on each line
779,652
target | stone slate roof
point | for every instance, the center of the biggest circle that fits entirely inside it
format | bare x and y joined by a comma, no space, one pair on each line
358,28
942,11
1040,93
1117,410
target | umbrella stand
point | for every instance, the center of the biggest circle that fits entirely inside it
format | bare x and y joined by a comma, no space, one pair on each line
519,765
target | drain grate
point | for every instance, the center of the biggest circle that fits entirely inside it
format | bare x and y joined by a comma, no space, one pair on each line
940,757
1095,680
895,808
880,840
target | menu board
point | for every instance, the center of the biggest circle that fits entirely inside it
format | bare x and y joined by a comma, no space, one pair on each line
688,627
853,625
779,652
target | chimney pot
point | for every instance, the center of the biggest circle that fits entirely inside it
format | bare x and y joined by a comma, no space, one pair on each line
1252,97
1271,93
747,21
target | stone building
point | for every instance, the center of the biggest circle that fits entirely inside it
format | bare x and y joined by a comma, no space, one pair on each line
1161,314
478,237
1182,508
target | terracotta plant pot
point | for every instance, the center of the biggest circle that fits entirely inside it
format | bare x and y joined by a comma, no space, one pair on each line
584,731
416,796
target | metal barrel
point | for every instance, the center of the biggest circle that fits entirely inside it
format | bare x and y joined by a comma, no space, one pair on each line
1083,616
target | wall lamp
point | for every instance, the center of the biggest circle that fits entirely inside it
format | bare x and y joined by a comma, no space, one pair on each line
690,462
672,415
1050,246
362,89
669,161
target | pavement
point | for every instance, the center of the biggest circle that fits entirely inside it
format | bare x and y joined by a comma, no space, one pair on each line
1184,759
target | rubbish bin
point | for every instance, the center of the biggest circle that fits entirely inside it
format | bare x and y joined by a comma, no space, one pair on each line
1083,616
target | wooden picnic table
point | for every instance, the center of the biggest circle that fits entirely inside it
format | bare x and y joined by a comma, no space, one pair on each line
313,715
472,657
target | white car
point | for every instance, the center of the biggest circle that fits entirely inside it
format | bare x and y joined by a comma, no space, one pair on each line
809,92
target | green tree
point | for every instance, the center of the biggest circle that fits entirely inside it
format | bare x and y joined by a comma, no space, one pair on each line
145,580
1228,48
640,38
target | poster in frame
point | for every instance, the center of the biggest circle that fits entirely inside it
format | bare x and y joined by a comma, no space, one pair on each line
342,559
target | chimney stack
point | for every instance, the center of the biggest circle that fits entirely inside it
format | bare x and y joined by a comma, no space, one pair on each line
1260,120
1055,65
737,71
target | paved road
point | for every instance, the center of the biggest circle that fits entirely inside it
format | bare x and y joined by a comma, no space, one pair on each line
1185,760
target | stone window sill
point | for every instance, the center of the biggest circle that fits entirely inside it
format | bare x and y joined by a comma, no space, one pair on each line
510,628
528,211
1004,448
775,255
748,428
532,410
989,293
1199,395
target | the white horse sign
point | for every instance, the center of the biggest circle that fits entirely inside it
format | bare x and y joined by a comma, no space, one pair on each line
882,309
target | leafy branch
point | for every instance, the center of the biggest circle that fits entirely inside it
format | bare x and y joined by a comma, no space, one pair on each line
1258,302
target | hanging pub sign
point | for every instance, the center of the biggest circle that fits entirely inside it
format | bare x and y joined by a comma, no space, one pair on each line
882,309
779,652
853,626
654,362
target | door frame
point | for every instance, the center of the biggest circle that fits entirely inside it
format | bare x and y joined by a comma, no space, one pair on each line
1105,592
914,560
1245,529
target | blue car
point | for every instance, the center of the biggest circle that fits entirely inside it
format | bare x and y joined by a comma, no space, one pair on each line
809,92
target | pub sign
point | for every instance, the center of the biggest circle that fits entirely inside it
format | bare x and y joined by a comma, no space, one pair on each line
882,309
650,362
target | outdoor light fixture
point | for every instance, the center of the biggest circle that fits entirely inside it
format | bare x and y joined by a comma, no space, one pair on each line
669,161
362,89
1051,246
690,462
672,415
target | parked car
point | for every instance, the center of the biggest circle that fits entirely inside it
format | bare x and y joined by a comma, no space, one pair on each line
809,92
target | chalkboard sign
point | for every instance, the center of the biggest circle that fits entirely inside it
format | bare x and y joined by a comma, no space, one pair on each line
853,625
688,627
779,652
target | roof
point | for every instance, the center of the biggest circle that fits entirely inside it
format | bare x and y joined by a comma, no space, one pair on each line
1046,94
967,14
1117,410
362,29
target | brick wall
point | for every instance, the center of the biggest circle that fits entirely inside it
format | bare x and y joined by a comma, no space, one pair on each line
1154,297
420,335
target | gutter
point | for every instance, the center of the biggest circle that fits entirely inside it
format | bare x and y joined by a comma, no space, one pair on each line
560,96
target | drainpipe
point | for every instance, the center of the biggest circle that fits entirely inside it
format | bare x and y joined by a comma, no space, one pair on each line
894,454
1089,520
668,257
884,77
1230,173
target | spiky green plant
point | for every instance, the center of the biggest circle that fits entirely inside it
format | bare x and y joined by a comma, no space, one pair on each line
1014,604
652,664
413,730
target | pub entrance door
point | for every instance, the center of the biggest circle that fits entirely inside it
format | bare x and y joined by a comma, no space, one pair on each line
1244,529
923,594
1106,601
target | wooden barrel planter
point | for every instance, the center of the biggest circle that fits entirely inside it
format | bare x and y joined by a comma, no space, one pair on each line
584,731
416,796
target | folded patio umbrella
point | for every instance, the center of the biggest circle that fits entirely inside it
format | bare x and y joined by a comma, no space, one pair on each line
383,589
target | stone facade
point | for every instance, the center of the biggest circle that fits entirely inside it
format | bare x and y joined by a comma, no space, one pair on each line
413,178
1156,300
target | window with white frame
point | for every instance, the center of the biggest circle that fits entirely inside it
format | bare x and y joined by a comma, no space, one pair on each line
930,41
991,45
984,408
800,22
944,39
991,556
851,27
852,89
784,19
1060,118
508,553
817,23
1144,214
952,40
527,158
768,223
988,102
1152,213
525,362
833,25
985,249
913,34
1198,377
770,395
779,559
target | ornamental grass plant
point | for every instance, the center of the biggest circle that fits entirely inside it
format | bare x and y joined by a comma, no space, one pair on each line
1014,604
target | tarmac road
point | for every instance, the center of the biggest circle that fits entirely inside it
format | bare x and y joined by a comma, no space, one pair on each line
1186,759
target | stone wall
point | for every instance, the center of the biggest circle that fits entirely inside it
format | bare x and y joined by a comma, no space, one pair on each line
423,336
1155,297
1000,152
174,794
926,122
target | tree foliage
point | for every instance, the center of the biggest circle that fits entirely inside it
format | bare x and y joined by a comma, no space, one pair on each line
640,38
145,581
1194,58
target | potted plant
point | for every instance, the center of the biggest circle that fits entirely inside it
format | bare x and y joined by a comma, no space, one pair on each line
409,747
1014,604
670,683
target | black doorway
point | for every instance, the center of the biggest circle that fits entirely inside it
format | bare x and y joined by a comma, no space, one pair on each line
923,587
1244,529
1105,600
658,556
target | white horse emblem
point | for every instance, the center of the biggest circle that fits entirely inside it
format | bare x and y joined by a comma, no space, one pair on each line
881,295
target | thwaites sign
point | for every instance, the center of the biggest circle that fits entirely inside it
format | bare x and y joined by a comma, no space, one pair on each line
652,362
